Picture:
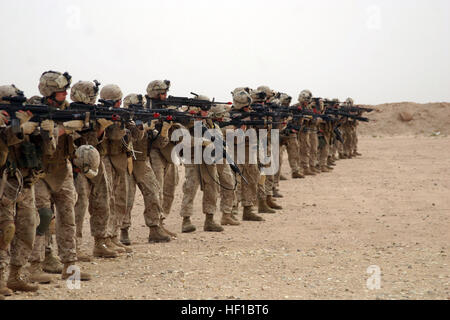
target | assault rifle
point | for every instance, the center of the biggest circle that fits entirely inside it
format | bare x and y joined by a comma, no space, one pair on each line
43,112
355,109
134,113
338,112
188,102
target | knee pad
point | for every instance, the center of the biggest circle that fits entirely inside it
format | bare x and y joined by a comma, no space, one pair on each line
7,230
45,215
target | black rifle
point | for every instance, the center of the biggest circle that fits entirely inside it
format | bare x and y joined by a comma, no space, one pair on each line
355,109
188,102
338,112
43,112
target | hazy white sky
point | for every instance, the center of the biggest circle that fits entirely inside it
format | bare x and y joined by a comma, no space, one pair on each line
374,51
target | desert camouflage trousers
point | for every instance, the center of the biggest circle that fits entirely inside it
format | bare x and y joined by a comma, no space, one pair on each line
248,193
276,183
227,187
314,151
64,201
204,176
267,188
340,146
144,178
292,147
167,175
354,139
333,148
348,136
324,149
304,147
21,213
93,196
118,185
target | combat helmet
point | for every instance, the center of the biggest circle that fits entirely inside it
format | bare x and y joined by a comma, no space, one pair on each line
134,99
241,98
111,92
157,87
87,159
52,82
85,92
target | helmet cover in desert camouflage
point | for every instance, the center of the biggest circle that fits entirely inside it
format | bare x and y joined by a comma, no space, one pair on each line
111,92
53,81
9,91
87,159
134,99
285,99
85,92
305,96
241,98
349,102
35,100
269,92
258,95
157,87
219,111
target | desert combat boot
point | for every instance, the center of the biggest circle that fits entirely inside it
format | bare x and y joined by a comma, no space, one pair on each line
229,220
210,225
187,226
101,250
309,172
297,175
263,207
157,234
117,243
4,290
51,263
249,215
37,275
277,194
81,256
272,204
16,283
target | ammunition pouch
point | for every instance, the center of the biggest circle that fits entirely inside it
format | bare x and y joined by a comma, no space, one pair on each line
31,156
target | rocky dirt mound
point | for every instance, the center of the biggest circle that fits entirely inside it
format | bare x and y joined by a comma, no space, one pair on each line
408,118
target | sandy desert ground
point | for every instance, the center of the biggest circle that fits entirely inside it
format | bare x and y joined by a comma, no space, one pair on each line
389,208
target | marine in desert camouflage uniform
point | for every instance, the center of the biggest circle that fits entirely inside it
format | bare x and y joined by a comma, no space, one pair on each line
247,192
200,175
161,147
19,173
118,145
91,184
57,187
144,178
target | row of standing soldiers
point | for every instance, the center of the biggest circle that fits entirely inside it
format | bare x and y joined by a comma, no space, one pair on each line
54,171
